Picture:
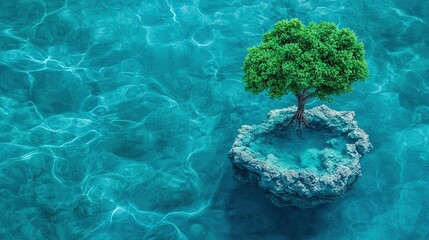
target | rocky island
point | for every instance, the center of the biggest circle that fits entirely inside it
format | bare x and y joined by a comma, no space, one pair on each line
301,168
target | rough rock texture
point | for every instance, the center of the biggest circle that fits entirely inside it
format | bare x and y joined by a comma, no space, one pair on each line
300,186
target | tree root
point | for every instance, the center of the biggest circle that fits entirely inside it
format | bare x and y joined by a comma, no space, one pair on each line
300,120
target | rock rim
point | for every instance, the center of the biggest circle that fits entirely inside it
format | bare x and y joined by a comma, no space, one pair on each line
301,187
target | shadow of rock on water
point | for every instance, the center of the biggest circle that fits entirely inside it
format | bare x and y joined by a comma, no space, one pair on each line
248,211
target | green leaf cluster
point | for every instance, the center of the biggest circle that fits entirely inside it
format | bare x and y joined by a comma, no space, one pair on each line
294,58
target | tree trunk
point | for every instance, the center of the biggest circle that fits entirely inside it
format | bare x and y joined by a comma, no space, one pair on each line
299,114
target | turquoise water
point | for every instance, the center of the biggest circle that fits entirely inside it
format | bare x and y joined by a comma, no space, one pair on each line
116,117
299,149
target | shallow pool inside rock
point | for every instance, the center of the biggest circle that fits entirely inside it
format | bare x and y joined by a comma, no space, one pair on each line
301,149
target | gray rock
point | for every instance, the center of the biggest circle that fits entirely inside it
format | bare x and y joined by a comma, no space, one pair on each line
290,178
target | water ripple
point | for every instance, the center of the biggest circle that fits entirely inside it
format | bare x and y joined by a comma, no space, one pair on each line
116,117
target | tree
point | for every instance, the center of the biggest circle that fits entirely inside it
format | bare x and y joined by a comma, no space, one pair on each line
318,60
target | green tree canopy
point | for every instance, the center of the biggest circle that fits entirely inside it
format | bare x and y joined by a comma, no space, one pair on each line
318,60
